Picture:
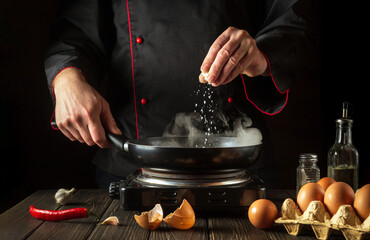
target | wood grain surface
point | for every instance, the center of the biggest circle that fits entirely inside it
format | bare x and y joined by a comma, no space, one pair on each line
17,223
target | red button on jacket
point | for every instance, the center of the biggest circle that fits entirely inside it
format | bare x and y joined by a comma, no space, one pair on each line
230,99
143,101
139,40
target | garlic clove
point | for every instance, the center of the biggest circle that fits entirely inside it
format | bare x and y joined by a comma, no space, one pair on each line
112,220
63,196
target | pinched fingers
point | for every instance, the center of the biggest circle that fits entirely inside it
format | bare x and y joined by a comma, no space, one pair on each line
218,65
233,53
213,51
225,52
233,64
202,77
251,66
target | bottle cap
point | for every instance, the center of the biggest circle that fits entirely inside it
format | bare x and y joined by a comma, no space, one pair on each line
304,156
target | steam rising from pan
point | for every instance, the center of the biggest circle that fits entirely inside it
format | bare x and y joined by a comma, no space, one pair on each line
207,125
191,125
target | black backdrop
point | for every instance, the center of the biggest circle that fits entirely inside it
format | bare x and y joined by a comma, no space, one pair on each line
33,156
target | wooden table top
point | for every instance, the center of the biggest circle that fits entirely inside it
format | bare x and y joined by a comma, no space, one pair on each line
17,223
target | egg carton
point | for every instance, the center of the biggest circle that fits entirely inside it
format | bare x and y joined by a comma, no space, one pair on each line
316,216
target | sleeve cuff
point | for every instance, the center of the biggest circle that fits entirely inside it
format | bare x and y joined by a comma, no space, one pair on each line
267,99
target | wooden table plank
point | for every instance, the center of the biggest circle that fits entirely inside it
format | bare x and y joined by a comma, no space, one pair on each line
198,231
17,223
127,229
97,201
239,227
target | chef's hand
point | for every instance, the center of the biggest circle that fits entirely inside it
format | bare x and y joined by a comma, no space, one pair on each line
81,113
234,52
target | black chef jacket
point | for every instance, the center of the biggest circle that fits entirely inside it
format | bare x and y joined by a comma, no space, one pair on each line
150,53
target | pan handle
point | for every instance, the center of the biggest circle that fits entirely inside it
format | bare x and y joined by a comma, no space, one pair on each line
119,141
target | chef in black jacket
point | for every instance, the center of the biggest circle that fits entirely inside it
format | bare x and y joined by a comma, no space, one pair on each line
140,60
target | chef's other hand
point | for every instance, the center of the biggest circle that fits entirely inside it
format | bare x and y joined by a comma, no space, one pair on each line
234,52
81,113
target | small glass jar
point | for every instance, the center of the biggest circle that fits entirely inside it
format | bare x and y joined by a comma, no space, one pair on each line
307,171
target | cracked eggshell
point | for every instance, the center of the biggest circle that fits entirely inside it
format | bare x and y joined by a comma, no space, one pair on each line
182,218
152,219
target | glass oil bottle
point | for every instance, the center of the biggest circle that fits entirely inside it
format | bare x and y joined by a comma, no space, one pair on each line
343,157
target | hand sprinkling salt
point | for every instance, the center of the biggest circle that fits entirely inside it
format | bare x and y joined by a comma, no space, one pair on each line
203,78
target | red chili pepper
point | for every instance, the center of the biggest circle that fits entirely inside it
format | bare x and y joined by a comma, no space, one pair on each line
59,215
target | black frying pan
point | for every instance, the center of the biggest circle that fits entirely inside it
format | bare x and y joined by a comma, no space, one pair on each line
182,153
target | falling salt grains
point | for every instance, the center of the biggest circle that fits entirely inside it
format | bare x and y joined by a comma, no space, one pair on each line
206,109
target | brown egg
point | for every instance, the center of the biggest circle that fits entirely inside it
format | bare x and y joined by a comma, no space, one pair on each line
337,194
262,213
308,193
183,218
325,182
362,202
152,219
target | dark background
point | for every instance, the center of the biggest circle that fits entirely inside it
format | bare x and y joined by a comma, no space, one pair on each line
33,156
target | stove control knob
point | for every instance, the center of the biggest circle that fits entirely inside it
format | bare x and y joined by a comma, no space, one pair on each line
114,189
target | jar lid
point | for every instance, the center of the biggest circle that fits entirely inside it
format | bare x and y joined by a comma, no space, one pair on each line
304,156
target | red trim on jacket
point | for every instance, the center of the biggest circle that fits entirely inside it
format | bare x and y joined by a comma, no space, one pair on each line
132,67
286,91
51,119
